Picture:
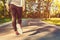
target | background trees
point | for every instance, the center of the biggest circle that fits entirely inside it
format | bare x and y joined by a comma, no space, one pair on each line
42,8
3,12
38,8
35,9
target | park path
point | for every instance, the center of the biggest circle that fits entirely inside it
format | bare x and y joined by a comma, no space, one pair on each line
34,29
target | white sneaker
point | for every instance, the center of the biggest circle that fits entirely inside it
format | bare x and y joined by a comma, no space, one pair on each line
19,29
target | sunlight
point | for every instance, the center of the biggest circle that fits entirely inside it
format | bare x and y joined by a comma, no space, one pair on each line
59,0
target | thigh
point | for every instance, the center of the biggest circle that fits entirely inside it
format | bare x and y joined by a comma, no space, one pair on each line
19,12
12,11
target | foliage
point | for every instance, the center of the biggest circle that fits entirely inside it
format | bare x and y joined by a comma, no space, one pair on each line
55,21
1,8
35,10
55,7
3,20
3,12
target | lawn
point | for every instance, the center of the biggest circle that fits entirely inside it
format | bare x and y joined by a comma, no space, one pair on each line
4,20
55,21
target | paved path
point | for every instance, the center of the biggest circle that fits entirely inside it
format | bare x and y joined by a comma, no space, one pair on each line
32,30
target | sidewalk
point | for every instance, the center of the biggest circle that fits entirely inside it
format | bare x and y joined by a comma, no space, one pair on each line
4,24
33,30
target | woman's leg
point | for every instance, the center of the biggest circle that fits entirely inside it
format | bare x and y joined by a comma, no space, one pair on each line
13,14
19,15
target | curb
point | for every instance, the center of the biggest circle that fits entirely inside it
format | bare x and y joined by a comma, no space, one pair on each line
4,24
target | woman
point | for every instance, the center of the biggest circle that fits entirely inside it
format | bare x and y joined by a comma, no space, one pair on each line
16,8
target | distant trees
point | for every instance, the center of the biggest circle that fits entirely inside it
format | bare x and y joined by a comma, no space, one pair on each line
3,12
35,9
42,8
38,8
55,8
1,9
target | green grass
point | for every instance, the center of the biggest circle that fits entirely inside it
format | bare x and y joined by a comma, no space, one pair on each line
55,21
4,20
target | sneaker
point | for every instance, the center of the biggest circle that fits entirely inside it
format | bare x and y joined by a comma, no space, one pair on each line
19,29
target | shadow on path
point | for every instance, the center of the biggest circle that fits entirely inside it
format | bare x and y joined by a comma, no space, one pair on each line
55,35
53,32
5,29
39,30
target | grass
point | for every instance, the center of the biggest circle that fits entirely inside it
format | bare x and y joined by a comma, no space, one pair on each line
4,20
55,21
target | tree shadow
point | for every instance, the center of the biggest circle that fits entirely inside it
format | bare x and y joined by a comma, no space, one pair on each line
5,29
55,35
39,30
42,30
